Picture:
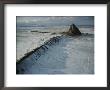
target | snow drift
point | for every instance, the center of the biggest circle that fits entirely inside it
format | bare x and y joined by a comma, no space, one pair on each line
62,54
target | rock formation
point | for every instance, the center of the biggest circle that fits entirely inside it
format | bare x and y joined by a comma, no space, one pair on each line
73,30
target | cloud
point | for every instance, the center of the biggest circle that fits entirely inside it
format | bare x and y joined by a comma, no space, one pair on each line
55,20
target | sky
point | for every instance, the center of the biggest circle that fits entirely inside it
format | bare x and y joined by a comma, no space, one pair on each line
54,20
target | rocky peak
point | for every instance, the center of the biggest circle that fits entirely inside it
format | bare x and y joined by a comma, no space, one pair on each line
73,30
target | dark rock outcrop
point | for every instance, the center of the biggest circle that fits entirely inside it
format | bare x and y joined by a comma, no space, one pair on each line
73,30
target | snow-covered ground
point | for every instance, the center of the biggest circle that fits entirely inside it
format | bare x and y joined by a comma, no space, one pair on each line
72,55
27,41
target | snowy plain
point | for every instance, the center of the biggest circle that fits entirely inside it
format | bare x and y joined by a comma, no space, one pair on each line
72,55
27,41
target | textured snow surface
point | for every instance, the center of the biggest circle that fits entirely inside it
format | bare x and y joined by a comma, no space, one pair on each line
72,55
27,41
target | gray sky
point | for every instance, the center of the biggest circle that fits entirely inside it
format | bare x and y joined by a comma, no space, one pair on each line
54,20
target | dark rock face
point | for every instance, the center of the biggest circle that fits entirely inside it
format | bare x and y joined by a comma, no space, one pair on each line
73,30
